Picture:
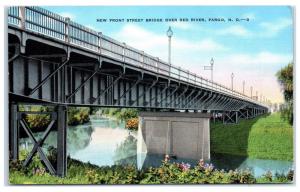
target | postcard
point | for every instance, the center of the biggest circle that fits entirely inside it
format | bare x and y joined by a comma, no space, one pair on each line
150,95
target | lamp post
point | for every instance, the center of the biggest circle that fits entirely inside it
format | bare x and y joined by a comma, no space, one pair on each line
251,89
256,96
211,68
169,34
243,87
232,76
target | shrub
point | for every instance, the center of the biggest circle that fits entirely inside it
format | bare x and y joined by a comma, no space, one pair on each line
78,115
132,124
36,121
167,173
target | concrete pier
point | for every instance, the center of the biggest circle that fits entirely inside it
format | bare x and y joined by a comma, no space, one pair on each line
185,135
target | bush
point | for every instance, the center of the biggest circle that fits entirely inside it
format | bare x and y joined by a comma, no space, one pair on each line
78,115
120,114
35,121
167,173
132,124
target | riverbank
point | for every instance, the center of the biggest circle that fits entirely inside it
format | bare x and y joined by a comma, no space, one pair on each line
167,173
264,137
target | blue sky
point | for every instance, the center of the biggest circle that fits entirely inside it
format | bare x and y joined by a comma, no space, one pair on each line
254,51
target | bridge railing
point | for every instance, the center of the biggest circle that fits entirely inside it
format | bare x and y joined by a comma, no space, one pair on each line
42,21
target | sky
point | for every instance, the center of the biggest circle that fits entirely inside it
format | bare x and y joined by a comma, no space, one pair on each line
253,49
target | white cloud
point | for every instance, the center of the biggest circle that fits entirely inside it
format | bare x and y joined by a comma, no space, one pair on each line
236,30
67,14
257,69
273,28
157,44
259,59
181,25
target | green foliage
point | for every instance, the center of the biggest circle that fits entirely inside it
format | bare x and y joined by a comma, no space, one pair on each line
122,114
78,115
35,121
264,137
167,173
132,124
285,78
113,175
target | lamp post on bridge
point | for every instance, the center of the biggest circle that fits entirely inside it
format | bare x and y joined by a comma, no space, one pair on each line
243,87
256,95
211,68
169,34
232,76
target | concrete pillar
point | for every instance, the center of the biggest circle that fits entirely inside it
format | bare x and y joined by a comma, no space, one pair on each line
184,135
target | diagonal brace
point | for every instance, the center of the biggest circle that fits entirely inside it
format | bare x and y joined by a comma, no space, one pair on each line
104,91
37,145
82,84
38,86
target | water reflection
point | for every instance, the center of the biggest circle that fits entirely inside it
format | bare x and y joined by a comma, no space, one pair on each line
125,152
79,137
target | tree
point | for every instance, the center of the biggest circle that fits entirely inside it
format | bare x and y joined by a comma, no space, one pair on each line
285,78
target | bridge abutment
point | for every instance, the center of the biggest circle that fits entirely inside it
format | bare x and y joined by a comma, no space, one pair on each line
184,135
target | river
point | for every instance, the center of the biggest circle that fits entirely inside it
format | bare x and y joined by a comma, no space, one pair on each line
106,142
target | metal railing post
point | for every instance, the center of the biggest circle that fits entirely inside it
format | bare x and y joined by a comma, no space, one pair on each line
157,63
99,42
143,59
67,30
22,17
123,51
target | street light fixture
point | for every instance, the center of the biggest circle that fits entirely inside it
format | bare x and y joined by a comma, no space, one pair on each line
211,68
169,34
232,76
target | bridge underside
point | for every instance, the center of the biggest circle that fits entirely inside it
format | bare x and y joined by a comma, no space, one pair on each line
51,72
45,71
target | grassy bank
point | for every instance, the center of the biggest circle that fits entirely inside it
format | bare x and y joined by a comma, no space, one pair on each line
266,137
167,173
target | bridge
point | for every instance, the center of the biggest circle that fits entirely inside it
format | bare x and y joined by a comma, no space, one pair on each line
57,62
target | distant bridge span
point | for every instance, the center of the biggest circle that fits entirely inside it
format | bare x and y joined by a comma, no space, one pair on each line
53,60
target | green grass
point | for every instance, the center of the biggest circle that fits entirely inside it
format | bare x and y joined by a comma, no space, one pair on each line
265,137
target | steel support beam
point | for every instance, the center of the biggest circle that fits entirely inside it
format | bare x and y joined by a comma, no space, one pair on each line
83,83
61,141
181,94
38,86
14,132
193,99
147,90
107,88
230,117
